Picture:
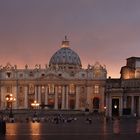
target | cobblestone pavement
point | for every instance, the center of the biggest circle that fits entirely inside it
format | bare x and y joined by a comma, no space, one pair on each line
80,128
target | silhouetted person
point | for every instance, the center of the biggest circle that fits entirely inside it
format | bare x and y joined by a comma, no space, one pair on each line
89,120
2,126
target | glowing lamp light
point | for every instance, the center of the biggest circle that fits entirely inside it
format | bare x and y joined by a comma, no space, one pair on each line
10,98
35,104
115,106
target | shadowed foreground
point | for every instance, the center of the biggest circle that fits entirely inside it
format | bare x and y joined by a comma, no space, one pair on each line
99,129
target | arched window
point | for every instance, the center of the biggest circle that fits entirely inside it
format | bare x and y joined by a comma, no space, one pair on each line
8,74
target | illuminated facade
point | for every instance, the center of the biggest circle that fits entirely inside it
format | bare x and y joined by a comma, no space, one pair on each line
123,95
62,85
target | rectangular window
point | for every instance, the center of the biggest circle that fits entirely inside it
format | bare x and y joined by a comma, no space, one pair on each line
20,89
31,74
21,75
96,89
83,75
9,89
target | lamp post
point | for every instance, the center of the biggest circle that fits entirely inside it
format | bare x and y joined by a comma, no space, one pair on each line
10,99
35,104
104,110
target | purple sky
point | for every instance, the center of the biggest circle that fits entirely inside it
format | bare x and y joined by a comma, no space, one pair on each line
107,31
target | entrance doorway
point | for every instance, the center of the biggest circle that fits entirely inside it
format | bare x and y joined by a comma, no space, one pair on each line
72,104
96,103
115,107
59,100
136,105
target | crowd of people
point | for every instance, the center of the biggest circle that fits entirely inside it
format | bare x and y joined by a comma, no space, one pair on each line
58,118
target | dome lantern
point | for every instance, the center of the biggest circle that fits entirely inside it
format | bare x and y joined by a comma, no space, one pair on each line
65,43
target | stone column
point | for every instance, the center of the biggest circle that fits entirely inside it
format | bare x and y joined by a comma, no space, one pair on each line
2,101
102,99
26,97
14,92
77,97
67,97
139,106
132,105
107,105
39,94
110,106
0,98
124,103
124,100
36,92
16,96
56,98
46,95
63,97
89,98
121,106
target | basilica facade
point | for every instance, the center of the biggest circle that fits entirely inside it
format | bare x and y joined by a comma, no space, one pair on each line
61,85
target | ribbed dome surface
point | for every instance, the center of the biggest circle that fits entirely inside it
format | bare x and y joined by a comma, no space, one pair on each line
65,56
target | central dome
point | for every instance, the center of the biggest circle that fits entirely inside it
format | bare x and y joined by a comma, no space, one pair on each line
65,57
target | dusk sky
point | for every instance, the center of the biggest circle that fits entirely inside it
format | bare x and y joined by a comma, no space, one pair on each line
107,31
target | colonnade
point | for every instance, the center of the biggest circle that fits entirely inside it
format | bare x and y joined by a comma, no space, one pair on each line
62,97
65,96
134,104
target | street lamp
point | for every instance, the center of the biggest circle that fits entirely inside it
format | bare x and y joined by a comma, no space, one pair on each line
35,104
10,99
104,110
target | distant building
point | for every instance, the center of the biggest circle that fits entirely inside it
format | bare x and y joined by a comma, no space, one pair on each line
132,68
123,95
61,85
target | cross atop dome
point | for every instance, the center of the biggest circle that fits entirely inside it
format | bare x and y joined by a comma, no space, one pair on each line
65,43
